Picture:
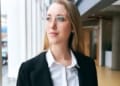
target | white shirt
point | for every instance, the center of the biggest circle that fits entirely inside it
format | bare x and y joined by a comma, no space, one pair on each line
61,75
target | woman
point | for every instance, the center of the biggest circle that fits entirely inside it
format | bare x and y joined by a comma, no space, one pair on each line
63,64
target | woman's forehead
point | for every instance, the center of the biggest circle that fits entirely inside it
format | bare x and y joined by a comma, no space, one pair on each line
57,8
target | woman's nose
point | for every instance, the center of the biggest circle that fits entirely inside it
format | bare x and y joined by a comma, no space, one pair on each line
53,24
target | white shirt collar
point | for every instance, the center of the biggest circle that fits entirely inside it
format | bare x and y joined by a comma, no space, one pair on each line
50,59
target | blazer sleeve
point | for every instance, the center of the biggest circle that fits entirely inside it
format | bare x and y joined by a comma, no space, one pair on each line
23,76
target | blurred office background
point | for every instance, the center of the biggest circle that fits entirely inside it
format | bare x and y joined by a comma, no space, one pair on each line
22,32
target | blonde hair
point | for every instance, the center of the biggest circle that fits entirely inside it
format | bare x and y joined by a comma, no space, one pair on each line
75,39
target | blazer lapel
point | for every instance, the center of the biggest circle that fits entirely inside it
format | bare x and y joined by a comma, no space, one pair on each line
81,74
41,75
81,78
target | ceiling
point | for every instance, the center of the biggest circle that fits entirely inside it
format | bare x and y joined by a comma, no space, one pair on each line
106,13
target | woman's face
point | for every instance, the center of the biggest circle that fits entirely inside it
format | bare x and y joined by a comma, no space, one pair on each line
58,26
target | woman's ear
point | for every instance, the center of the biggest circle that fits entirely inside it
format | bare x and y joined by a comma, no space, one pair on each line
72,31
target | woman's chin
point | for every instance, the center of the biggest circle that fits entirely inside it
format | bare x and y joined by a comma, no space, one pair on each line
53,41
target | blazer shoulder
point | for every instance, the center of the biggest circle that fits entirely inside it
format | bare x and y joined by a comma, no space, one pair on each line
83,59
28,67
31,63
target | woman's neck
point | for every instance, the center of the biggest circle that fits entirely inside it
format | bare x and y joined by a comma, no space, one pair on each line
61,54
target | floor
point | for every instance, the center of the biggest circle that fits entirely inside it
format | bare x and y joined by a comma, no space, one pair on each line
106,77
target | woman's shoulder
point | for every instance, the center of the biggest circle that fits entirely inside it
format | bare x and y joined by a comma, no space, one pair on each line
36,58
81,55
31,63
82,58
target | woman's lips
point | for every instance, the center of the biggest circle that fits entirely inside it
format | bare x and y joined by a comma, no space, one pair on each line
53,34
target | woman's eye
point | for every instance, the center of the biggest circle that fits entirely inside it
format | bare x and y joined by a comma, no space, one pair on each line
60,18
47,18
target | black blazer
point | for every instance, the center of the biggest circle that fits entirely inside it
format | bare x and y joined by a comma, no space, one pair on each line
35,72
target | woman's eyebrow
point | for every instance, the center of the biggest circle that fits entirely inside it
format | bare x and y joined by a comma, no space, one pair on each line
60,15
56,15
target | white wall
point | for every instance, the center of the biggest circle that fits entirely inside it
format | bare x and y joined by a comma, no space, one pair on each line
3,7
16,35
25,32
